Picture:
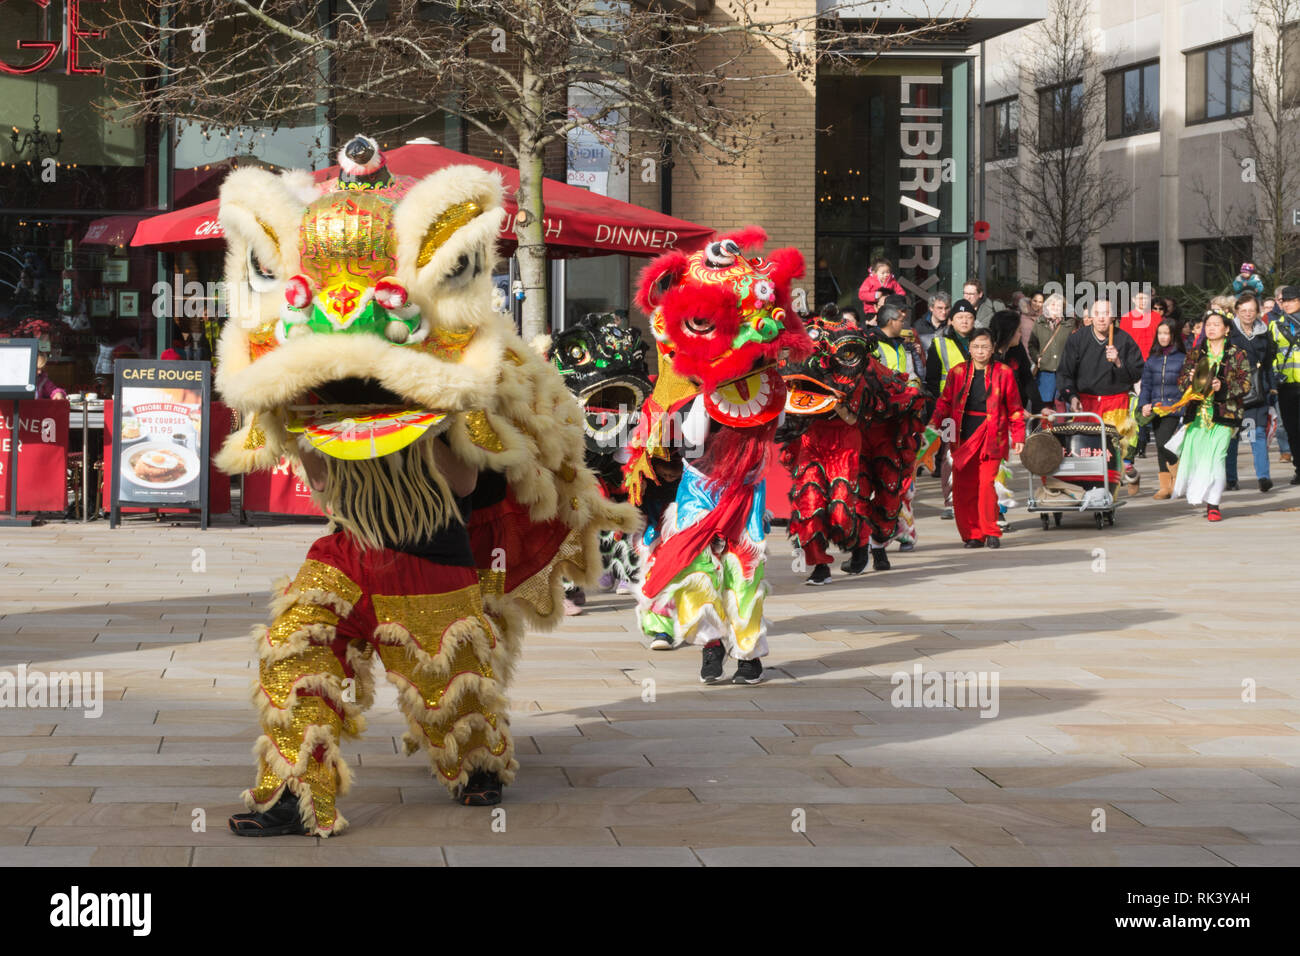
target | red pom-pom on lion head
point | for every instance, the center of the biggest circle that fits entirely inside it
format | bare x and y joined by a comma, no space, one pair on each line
719,314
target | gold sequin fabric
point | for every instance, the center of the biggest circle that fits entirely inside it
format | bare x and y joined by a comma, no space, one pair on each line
256,438
452,218
318,576
441,652
481,432
442,665
536,591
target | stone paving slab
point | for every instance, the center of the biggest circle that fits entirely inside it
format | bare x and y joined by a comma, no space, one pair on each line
1121,690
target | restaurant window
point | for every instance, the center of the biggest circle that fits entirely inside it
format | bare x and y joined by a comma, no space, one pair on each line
65,168
1001,129
1133,262
1219,81
1060,116
1054,263
1133,100
1211,263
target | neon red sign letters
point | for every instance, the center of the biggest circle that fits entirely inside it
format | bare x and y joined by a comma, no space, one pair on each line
73,35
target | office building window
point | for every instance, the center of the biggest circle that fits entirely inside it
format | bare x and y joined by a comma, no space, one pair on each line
1002,268
1060,116
1211,263
1133,262
1291,65
1054,264
1001,129
1133,100
1219,81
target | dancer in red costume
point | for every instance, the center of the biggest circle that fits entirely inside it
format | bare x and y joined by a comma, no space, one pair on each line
982,402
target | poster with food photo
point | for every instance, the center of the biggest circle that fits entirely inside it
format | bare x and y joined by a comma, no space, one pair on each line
159,433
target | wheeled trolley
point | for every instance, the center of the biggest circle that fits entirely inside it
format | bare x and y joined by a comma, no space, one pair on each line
1088,474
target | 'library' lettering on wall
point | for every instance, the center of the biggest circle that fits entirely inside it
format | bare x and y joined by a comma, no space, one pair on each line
921,173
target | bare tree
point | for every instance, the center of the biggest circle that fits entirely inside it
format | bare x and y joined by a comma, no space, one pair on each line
1057,194
675,82
1265,147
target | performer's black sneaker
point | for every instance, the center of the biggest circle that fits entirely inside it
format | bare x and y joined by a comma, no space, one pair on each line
748,672
906,546
858,560
879,560
975,543
947,514
821,575
711,669
992,542
1232,486
666,642
482,789
1266,484
282,819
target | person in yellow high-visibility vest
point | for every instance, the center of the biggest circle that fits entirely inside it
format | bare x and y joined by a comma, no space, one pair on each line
950,348
898,351
1286,367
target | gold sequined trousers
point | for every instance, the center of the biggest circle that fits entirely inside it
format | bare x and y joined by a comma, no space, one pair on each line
446,656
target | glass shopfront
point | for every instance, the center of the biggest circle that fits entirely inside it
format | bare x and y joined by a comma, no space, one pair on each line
64,164
893,175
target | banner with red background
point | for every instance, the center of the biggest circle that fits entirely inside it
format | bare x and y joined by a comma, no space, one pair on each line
278,492
42,454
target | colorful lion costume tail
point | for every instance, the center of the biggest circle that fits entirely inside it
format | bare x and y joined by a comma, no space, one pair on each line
363,349
722,321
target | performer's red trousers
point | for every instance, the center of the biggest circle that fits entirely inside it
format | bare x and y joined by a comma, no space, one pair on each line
975,499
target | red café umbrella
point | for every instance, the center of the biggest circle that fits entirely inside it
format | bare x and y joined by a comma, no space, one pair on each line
578,222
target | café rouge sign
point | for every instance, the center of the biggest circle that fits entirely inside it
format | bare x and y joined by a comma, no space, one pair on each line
162,374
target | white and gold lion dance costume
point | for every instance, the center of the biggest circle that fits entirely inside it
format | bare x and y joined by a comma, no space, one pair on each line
449,455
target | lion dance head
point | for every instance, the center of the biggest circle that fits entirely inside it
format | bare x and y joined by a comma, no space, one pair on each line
362,327
722,320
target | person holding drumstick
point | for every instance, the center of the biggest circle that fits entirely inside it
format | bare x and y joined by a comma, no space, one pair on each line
1099,367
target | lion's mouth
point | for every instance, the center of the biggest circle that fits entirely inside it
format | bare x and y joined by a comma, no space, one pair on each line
355,419
808,396
752,399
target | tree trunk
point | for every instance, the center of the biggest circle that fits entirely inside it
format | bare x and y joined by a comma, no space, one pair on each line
529,223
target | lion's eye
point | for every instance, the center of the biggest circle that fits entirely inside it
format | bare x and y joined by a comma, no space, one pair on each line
260,278
698,326
459,268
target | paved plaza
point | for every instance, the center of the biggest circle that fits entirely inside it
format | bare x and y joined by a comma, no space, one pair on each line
1121,735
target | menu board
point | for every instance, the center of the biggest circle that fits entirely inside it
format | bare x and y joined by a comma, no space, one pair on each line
161,418
18,368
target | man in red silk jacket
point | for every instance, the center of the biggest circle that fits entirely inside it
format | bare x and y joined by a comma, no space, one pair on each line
980,408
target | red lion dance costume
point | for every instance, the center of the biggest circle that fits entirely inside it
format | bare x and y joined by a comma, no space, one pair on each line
822,442
850,441
449,455
892,421
722,321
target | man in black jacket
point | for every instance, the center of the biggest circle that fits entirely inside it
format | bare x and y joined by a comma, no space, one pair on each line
1099,366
